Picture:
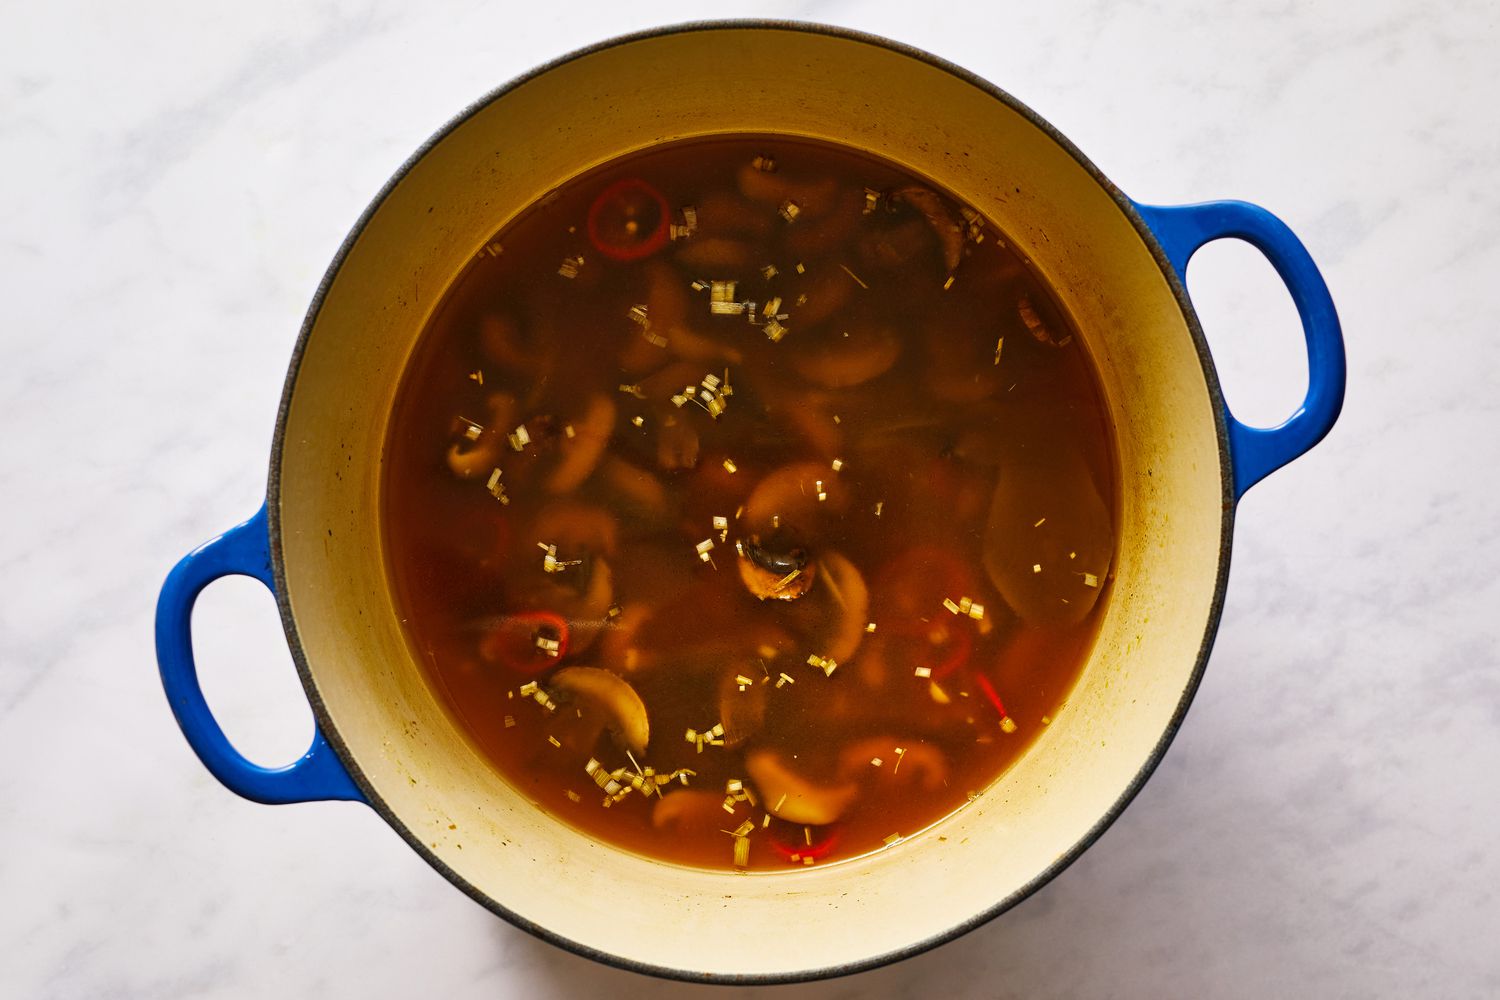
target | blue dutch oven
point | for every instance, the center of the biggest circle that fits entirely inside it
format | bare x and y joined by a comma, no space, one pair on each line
1118,267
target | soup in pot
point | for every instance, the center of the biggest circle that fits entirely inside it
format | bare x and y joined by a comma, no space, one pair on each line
750,503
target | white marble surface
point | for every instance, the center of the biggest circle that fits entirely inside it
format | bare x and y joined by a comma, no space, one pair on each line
176,176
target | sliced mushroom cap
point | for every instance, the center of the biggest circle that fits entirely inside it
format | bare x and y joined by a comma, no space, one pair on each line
742,713
477,458
918,761
612,695
789,796
632,490
677,443
582,452
688,811
790,495
1048,544
838,609
812,197
575,527
718,255
821,235
850,356
945,224
775,569
722,213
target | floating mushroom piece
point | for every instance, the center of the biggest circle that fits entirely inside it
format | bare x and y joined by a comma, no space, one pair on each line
1047,541
841,357
677,443
834,615
776,568
830,231
934,208
717,255
580,454
742,713
723,213
791,495
812,197
792,797
477,458
688,811
575,527
611,694
917,761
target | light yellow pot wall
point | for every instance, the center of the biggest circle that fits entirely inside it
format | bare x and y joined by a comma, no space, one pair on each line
592,109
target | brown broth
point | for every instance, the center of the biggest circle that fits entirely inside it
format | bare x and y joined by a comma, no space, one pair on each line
968,470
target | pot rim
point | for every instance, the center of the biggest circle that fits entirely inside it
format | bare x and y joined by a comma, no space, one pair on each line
330,729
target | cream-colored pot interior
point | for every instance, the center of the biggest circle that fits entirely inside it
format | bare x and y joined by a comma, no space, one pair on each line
413,762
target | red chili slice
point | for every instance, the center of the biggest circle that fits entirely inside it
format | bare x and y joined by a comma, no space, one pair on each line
818,850
629,220
991,694
512,640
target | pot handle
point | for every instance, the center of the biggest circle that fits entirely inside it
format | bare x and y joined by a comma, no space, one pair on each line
1256,452
243,550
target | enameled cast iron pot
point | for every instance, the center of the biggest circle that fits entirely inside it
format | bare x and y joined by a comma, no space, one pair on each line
1116,265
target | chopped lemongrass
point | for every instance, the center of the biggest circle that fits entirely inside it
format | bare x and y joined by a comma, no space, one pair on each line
510,722
554,741
476,376
785,581
772,306
948,603
999,346
471,430
923,672
900,756
1036,567
741,852
836,419
638,421
549,646
632,389
613,612
1039,522
807,835
491,250
519,438
765,821
976,611
1090,580
872,200
765,164
574,796
801,267
824,663
948,284
822,494
742,681
838,464
721,300
721,522
784,679
789,210
1072,555
1007,725
699,285
774,330
744,829
730,467
888,841
703,549
1046,720
679,400
857,279
964,604
879,506
570,265
768,272
937,694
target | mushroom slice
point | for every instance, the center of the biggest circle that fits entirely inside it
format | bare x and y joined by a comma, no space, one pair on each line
688,810
903,759
790,796
944,223
841,608
717,254
1048,544
581,452
775,570
791,495
467,459
847,358
574,526
741,713
613,696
